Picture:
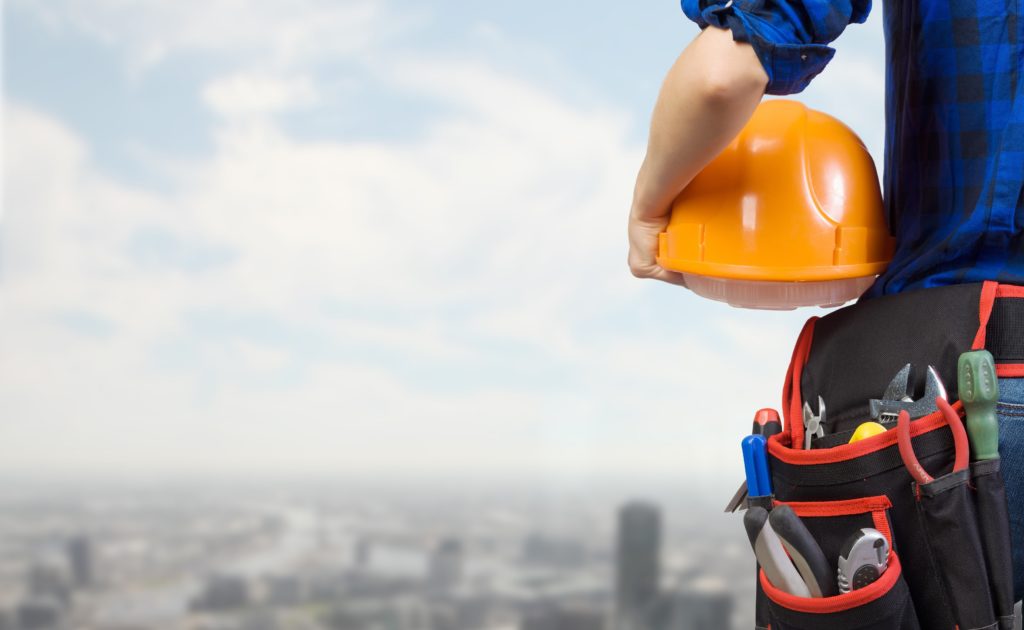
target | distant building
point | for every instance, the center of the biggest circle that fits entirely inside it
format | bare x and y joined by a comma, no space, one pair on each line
691,611
371,614
50,581
81,559
40,613
445,566
555,552
223,592
637,563
285,590
361,553
564,617
260,620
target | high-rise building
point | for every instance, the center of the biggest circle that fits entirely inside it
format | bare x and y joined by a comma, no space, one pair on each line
445,568
637,563
361,553
81,560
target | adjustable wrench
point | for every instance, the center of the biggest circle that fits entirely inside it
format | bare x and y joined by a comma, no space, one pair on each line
897,397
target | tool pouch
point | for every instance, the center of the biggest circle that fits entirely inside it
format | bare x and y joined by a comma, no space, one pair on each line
952,531
994,528
949,565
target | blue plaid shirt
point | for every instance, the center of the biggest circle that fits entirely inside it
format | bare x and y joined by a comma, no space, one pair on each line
954,141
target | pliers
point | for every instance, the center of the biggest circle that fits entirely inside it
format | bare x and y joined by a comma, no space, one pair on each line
960,446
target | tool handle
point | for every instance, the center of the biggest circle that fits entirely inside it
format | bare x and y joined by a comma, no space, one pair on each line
755,463
808,557
766,423
771,554
906,448
956,426
979,392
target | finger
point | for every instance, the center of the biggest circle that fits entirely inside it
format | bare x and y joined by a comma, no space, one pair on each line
672,277
650,269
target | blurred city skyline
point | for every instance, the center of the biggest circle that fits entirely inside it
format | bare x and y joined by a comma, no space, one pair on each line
306,557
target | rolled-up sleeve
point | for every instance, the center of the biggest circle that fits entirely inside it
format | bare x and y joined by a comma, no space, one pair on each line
790,37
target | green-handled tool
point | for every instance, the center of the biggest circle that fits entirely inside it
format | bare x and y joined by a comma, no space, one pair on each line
979,391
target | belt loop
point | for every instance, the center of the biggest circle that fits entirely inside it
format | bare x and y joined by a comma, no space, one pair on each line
988,298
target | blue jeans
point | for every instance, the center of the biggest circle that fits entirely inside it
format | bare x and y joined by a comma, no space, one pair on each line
1011,450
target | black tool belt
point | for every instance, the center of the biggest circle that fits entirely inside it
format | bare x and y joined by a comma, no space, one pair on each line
950,564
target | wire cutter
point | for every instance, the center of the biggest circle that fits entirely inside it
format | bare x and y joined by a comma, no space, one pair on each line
813,424
960,445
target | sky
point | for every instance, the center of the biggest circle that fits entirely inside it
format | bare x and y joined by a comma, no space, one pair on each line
360,237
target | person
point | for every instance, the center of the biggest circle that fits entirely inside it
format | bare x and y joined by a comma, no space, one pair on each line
953,182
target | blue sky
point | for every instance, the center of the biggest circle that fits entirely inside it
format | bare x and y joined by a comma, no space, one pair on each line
359,237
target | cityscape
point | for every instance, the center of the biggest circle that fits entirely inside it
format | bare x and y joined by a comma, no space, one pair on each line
306,556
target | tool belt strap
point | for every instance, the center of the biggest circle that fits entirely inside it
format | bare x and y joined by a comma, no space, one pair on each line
873,339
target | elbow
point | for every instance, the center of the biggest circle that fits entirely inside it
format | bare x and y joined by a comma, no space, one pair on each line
721,86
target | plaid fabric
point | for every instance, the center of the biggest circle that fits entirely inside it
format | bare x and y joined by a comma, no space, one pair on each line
789,36
954,145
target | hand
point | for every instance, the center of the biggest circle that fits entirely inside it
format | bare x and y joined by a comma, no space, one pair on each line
645,224
709,94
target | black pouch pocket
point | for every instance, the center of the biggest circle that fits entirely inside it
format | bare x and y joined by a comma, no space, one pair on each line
882,605
994,525
946,509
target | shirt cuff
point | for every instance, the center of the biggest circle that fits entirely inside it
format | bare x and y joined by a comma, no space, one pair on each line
790,66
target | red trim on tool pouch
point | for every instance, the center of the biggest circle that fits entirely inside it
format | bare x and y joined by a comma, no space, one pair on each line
876,505
882,525
837,603
1009,291
792,400
988,299
846,507
1010,369
779,448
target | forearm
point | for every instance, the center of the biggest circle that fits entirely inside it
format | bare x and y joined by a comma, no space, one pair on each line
709,94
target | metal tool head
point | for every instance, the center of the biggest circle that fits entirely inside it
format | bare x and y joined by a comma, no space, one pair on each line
897,389
864,557
933,386
897,397
813,423
810,415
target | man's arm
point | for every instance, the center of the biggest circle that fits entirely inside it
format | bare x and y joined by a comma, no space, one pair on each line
708,96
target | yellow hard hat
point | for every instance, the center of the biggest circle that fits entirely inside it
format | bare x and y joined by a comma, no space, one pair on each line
789,214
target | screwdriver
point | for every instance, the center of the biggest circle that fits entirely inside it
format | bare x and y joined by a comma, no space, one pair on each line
766,423
979,391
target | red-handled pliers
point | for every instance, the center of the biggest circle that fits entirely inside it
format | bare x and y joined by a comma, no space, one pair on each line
960,446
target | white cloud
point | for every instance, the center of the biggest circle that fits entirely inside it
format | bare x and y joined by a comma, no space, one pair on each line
249,93
491,245
266,34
